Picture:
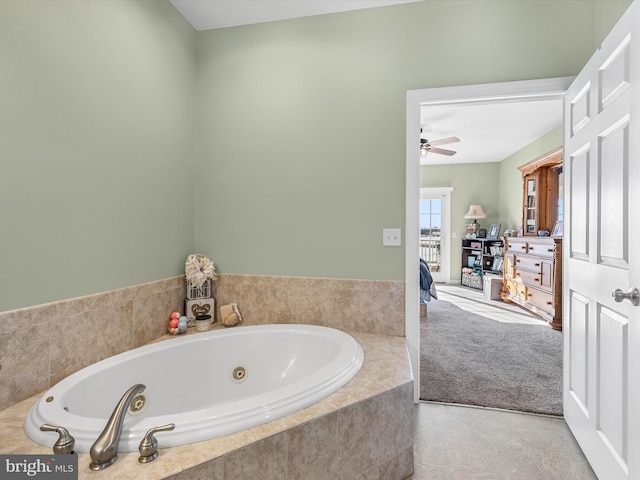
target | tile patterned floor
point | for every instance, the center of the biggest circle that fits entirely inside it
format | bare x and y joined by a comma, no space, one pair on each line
468,443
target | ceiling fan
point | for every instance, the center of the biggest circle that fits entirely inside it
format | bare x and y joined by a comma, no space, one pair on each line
427,146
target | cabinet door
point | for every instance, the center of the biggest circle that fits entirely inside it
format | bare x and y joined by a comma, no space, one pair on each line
546,278
515,287
509,260
531,201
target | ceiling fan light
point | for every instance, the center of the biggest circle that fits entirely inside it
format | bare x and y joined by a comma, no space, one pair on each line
427,146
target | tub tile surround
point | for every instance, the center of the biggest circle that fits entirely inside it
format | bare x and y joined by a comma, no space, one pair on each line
363,431
373,306
71,334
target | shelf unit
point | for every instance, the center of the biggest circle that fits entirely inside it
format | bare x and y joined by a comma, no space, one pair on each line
479,257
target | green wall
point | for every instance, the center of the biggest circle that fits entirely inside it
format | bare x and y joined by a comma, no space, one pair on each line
473,184
607,13
96,146
301,123
128,140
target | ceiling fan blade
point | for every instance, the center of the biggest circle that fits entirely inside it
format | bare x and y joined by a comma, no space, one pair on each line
442,151
444,141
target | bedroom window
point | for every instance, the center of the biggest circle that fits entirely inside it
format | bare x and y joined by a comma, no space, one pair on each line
430,231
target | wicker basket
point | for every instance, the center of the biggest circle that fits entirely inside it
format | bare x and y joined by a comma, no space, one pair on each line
203,323
472,280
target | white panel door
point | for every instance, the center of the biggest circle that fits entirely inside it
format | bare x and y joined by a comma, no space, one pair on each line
602,253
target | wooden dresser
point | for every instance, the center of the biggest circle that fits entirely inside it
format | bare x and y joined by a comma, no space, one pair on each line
533,276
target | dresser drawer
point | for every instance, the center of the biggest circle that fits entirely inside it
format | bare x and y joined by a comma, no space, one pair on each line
542,249
529,278
516,246
533,264
543,278
540,299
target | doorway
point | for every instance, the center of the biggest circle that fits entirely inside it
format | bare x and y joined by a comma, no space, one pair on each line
416,99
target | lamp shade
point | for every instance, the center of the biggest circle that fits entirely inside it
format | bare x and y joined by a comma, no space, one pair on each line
475,211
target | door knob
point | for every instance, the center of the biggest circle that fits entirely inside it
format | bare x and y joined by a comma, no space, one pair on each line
632,295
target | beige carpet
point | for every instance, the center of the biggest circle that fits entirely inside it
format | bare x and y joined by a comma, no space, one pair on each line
492,355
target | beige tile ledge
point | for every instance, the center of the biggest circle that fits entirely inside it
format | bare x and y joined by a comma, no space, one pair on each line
11,320
386,367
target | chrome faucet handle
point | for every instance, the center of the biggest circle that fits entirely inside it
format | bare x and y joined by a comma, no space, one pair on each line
149,445
65,443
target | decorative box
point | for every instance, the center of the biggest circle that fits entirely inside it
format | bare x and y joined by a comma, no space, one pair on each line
194,291
492,287
198,307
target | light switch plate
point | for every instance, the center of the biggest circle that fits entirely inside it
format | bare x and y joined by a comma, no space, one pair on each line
391,237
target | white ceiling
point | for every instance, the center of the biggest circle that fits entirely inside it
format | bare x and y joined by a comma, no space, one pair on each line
487,132
208,14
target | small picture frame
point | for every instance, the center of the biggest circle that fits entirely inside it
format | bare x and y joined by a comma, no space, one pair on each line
471,260
498,263
557,229
482,233
494,231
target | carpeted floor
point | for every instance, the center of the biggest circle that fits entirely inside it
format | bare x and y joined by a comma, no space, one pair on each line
474,359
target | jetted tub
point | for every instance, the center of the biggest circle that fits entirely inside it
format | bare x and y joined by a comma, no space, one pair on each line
208,384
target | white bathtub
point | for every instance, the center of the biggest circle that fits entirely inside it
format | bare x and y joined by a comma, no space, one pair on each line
190,383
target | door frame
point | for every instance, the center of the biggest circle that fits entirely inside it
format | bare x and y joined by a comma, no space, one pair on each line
445,228
467,94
